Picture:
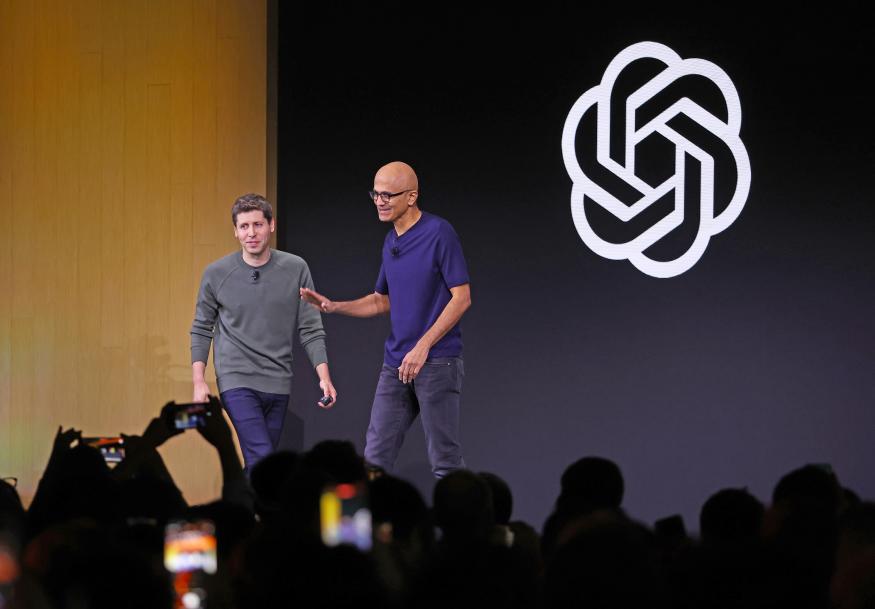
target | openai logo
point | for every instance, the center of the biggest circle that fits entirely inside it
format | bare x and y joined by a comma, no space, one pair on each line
643,113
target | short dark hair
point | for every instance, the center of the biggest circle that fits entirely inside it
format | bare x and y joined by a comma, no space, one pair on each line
251,202
595,481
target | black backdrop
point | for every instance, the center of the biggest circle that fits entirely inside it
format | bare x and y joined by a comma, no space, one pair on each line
757,360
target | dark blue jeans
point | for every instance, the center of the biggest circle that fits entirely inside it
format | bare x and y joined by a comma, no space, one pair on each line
258,419
435,394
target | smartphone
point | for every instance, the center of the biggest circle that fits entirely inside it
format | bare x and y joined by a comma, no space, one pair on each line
9,570
190,555
190,546
186,416
112,448
345,516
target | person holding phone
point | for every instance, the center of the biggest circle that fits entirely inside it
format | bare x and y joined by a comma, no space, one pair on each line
423,285
248,308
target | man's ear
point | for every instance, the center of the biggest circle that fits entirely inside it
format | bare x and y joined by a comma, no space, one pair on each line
413,195
272,224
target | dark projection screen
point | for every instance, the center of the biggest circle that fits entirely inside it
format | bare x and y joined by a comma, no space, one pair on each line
753,360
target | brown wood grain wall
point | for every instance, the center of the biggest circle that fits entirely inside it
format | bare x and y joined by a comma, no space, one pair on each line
127,129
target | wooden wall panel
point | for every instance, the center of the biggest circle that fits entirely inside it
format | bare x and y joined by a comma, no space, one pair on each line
204,129
45,188
6,51
23,361
112,191
66,381
126,131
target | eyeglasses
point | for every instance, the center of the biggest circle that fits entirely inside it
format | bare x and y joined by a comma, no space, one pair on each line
11,481
385,196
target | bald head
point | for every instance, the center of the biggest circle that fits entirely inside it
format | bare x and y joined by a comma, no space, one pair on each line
396,194
397,176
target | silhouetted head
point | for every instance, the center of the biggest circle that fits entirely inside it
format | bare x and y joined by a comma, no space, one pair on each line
801,526
811,484
398,503
267,479
502,498
10,502
150,498
299,504
730,515
463,506
338,459
805,506
594,482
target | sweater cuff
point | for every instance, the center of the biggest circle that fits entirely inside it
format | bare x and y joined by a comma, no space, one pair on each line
200,349
316,352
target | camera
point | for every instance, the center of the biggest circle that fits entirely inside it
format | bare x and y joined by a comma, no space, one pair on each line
185,416
111,448
190,555
345,516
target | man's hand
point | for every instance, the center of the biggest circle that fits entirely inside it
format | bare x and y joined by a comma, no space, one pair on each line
64,439
135,446
326,385
317,300
412,363
216,430
327,391
63,443
161,429
201,392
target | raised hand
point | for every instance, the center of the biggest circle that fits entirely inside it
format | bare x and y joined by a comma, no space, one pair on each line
64,439
160,429
317,300
216,430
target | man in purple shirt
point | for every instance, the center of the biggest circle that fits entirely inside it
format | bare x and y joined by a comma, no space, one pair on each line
424,286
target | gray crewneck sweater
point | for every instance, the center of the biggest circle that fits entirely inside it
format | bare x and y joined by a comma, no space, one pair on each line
251,314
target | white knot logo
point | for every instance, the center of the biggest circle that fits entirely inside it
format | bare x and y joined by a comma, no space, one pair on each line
622,135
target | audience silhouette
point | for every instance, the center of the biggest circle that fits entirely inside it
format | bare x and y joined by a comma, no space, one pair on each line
97,536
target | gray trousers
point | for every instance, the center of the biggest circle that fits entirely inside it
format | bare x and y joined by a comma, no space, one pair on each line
435,395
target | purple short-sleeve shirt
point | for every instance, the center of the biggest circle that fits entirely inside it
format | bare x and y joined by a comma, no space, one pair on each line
418,270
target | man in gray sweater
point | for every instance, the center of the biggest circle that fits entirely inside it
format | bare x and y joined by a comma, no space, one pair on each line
248,307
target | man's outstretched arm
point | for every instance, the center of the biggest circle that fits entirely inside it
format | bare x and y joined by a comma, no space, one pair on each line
366,306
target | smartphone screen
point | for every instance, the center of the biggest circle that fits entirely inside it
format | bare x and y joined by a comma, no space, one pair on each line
189,416
190,554
112,448
345,516
190,546
9,571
